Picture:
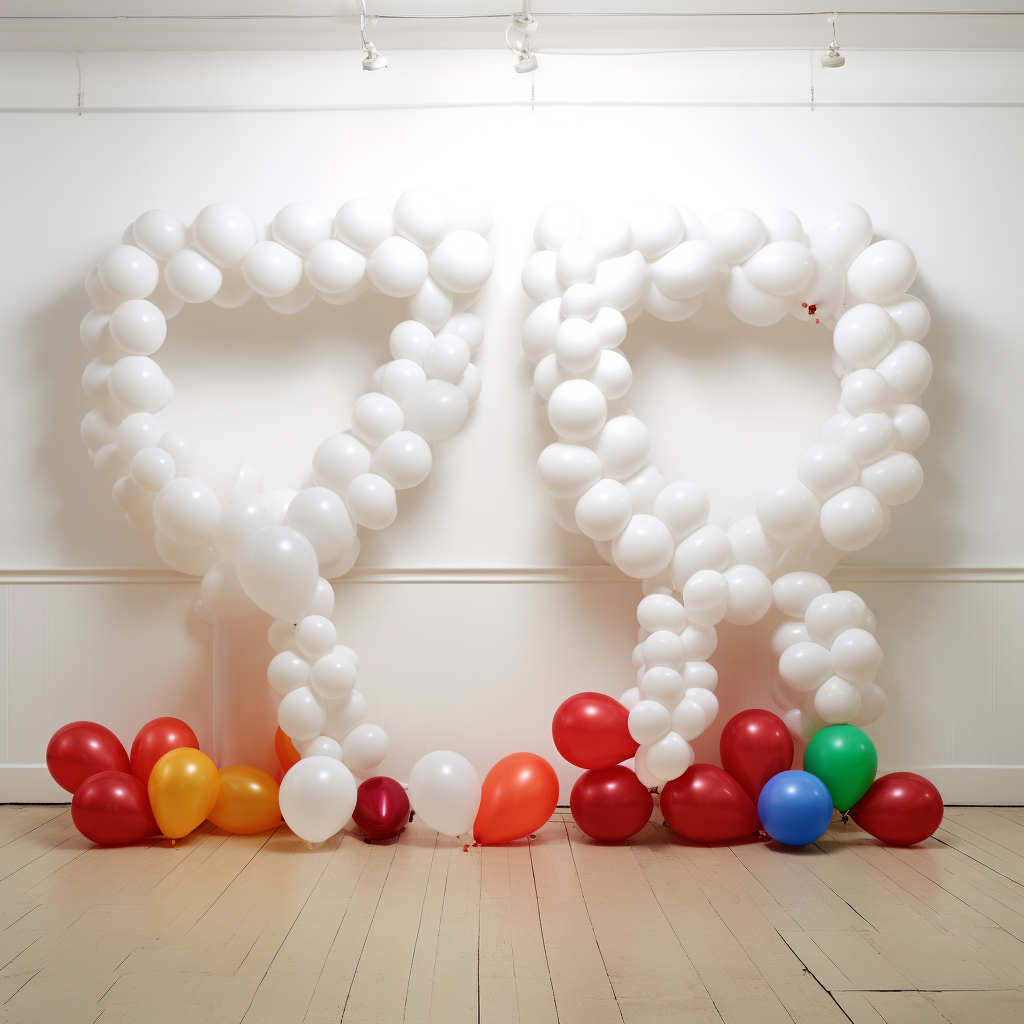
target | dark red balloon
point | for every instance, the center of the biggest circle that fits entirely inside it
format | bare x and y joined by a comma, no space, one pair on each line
382,807
901,808
112,809
610,804
755,746
154,740
707,805
80,749
591,730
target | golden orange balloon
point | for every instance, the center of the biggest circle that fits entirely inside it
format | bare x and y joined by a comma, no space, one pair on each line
183,787
247,801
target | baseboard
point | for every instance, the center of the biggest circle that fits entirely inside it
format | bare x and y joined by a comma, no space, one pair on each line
978,784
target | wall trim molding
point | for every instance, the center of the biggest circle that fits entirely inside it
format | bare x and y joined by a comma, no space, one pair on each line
528,574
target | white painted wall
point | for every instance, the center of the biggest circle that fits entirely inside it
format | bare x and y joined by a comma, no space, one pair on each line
930,144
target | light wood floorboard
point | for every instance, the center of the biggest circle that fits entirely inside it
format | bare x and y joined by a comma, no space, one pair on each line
553,930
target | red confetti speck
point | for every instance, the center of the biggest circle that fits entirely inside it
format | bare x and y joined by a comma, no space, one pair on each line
812,308
817,321
804,304
465,849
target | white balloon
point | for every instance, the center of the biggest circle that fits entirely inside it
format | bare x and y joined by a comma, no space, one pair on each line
563,511
707,702
129,497
787,509
444,790
782,225
700,641
670,310
844,230
649,721
659,611
540,330
865,391
301,714
833,428
375,417
397,267
794,591
736,233
700,674
749,597
186,510
467,326
822,296
567,470
110,463
271,269
752,305
223,234
689,719
277,567
446,358
852,519
610,325
630,699
322,746
138,327
689,270
644,548
912,426
644,488
611,373
621,281
281,637
805,666
192,277
399,377
705,548
908,369
136,384
363,224
836,701
345,714
287,671
608,235
604,510
540,277
856,656
371,501
99,429
785,635
318,796
338,461
827,616
752,546
556,225
333,267
176,445
191,559
827,468
315,636
911,317
869,437
577,345
241,516
577,410
365,747
160,234
423,216
435,410
664,649
780,268
152,469
547,375
333,676
669,757
894,479
575,263
623,446
431,305
683,507
126,272
655,227
580,300
462,262
863,336
403,459
234,290
301,227
872,705
95,333
882,272
321,516
222,595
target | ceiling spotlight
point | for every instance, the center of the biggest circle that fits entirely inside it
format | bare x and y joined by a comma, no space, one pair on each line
833,59
372,60
522,27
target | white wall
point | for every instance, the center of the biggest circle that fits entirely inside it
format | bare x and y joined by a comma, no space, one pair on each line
930,144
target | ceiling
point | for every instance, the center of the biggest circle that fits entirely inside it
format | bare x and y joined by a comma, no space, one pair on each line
563,24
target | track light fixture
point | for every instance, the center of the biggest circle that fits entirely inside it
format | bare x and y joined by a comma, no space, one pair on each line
372,60
522,27
833,59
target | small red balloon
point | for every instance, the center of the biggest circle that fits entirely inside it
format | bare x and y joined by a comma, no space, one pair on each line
901,808
80,749
591,730
154,740
112,809
610,804
518,795
755,746
382,807
707,805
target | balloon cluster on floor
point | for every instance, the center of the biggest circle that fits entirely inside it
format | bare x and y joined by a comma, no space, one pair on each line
275,549
590,279
756,792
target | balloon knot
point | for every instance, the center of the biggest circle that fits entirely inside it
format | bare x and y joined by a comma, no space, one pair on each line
533,835
367,841
846,817
309,844
763,836
412,814
172,842
465,848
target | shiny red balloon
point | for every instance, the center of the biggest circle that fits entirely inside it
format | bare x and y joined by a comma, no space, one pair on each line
755,746
382,807
80,749
610,804
112,809
518,795
591,730
707,805
901,808
154,740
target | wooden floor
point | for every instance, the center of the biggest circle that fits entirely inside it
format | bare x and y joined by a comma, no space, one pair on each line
261,928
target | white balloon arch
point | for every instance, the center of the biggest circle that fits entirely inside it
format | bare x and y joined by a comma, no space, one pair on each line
590,280
277,551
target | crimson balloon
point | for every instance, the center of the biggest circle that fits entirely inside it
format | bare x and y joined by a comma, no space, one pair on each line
591,730
154,740
902,808
707,805
610,804
518,795
80,749
755,745
112,809
382,807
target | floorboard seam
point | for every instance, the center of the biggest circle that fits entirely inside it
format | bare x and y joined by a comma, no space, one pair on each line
543,940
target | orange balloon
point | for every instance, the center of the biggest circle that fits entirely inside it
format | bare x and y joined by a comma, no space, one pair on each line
519,794
247,802
286,752
183,787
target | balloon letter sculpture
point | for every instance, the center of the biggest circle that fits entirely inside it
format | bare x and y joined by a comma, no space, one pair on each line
591,279
276,551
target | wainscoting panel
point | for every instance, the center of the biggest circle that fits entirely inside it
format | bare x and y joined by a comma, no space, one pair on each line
477,662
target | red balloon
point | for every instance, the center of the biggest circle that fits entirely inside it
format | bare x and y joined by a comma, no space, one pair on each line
707,805
518,795
591,730
755,746
80,749
901,808
382,807
154,740
112,809
610,804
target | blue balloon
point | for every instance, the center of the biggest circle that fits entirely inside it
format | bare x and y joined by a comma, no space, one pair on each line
795,808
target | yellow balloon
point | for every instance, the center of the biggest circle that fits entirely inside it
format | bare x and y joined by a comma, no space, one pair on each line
183,787
247,801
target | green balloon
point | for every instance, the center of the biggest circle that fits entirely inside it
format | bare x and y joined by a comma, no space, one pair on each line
845,759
